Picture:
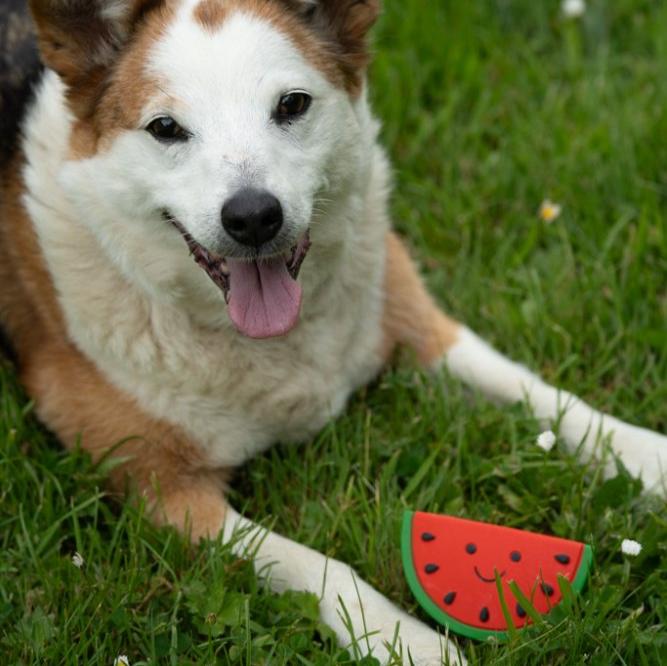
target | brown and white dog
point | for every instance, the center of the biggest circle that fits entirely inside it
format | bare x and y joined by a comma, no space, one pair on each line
236,133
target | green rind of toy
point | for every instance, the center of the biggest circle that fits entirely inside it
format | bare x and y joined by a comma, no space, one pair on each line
447,620
584,567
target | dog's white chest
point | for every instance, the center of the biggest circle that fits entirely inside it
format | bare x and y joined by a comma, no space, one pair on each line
236,396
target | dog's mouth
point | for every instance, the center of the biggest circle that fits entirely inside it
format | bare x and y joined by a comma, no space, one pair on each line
262,294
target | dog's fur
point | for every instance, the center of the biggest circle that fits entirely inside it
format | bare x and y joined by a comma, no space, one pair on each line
119,333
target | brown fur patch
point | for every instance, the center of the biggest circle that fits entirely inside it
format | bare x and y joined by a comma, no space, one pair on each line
88,52
346,24
130,85
28,304
410,315
126,89
211,14
83,140
160,462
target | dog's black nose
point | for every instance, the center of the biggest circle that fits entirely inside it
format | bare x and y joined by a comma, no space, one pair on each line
252,217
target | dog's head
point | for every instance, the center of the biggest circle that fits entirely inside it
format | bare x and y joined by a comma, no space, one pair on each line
223,125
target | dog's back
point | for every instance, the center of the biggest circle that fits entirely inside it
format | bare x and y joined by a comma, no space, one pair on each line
19,69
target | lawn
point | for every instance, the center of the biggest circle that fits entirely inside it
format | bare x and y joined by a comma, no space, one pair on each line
489,107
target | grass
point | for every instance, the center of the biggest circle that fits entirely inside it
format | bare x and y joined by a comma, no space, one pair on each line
489,107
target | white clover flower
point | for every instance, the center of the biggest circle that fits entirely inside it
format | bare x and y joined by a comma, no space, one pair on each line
77,560
574,8
549,211
630,547
121,660
546,440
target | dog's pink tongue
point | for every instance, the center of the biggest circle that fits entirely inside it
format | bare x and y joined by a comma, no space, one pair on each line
264,300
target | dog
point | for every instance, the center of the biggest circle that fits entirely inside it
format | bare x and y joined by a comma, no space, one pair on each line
197,261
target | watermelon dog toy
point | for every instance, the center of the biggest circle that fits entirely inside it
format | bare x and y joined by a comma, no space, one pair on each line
451,563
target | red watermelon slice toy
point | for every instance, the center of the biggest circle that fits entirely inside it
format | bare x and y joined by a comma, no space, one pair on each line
450,564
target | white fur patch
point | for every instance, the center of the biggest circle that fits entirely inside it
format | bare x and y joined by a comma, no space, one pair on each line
351,607
642,451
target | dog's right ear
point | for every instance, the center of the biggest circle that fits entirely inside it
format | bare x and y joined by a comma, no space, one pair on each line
80,40
345,25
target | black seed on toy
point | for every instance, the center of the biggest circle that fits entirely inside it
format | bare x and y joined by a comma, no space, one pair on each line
431,568
427,536
563,559
471,549
515,556
547,589
519,611
449,598
484,614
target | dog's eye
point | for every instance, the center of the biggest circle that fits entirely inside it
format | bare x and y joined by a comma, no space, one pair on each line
165,128
292,105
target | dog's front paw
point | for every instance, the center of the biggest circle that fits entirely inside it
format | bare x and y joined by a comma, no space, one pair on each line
370,624
363,620
644,454
420,645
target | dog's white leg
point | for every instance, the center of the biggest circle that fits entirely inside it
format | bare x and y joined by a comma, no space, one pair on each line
359,615
642,451
412,318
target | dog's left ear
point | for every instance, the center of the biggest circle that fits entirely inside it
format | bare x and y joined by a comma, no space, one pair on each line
345,23
81,40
